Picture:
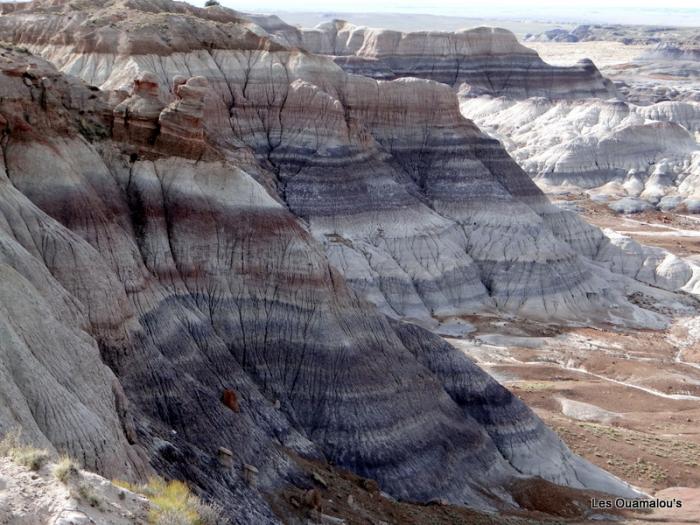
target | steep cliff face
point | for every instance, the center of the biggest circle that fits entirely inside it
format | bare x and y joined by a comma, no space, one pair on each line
483,60
147,270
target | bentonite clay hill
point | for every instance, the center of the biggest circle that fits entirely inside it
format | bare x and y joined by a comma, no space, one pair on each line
199,246
488,60
185,278
567,126
406,196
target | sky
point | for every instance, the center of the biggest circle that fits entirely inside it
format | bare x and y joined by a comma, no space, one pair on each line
678,12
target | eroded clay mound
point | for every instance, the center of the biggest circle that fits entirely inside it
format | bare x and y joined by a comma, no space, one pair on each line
647,155
156,268
402,191
482,60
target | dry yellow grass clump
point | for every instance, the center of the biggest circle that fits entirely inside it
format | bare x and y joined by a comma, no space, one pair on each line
64,469
30,457
172,503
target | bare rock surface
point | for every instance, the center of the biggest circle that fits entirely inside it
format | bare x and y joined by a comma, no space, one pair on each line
191,278
627,34
636,151
566,124
307,122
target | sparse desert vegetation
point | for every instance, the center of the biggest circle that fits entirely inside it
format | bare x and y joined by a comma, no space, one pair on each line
60,493
86,493
65,469
647,459
27,456
172,503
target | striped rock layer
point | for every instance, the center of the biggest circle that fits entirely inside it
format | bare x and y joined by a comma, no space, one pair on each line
227,216
616,150
567,126
137,287
482,60
405,195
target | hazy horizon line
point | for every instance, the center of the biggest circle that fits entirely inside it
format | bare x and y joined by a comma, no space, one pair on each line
685,16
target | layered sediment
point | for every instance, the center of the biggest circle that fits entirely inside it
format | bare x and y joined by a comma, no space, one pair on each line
615,149
484,60
183,277
227,218
568,126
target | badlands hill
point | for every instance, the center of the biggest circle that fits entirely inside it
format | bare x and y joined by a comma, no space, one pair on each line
647,154
487,60
643,151
627,34
568,126
213,240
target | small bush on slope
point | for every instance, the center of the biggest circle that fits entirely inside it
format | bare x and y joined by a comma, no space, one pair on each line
65,469
86,493
211,514
9,442
30,457
174,504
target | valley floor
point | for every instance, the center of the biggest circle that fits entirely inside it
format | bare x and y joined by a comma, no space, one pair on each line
626,401
676,232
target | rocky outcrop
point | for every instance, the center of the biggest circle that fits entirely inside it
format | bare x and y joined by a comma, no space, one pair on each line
483,60
685,114
486,60
182,122
567,145
688,50
659,35
144,121
136,118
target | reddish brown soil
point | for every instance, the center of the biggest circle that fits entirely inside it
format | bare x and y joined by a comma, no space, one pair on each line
654,443
599,214
358,501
